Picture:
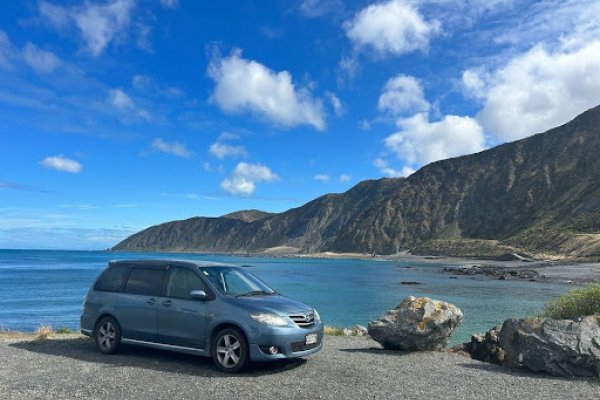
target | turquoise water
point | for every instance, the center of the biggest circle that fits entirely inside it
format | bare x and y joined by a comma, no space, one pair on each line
40,287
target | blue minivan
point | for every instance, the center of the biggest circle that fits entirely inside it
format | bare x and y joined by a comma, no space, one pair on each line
204,308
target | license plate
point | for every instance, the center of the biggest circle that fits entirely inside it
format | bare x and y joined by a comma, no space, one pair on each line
311,338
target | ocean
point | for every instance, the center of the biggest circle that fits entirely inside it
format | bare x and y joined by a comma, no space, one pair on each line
41,287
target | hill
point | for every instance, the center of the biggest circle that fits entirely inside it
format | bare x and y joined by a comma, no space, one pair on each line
539,195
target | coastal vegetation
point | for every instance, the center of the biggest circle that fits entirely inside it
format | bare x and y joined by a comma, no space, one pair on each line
576,303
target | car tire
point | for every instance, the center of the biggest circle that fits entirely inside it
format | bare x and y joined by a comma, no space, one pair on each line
107,335
229,350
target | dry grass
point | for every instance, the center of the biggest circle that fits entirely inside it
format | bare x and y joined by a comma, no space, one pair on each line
333,331
44,332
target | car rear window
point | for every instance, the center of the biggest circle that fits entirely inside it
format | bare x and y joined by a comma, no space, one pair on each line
112,279
147,282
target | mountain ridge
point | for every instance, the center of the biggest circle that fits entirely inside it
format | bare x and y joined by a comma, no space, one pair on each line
539,195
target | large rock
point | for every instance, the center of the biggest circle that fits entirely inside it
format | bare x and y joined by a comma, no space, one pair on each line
558,347
417,324
486,347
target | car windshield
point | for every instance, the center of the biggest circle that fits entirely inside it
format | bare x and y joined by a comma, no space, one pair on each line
234,281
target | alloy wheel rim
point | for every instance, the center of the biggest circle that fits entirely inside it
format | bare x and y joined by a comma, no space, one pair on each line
107,335
229,351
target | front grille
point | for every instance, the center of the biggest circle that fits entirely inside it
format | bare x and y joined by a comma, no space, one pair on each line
304,320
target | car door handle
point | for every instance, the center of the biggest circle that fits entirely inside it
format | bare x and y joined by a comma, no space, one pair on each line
152,302
167,303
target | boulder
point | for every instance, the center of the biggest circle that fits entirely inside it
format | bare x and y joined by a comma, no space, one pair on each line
417,324
347,332
486,347
360,330
559,347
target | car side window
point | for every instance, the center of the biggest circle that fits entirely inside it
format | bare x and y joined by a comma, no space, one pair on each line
112,279
182,281
147,282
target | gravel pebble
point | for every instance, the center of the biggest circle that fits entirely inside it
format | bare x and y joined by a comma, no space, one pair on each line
347,368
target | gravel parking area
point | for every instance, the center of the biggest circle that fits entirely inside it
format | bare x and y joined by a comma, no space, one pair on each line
348,368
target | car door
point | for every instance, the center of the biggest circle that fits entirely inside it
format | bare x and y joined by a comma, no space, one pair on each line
138,303
181,319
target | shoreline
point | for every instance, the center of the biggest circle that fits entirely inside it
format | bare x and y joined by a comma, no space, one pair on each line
554,271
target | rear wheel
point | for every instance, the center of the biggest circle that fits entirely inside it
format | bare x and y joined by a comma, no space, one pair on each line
107,335
229,350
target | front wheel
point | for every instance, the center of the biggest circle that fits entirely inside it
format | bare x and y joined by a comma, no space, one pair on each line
229,350
107,335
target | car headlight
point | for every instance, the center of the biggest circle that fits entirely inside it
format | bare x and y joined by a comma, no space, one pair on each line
269,319
317,316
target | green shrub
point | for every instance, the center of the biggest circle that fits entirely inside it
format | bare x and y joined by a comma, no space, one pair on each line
576,303
63,330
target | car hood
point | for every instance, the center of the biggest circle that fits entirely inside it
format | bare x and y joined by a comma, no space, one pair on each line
276,304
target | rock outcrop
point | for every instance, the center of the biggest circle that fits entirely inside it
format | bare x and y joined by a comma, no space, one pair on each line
564,348
417,324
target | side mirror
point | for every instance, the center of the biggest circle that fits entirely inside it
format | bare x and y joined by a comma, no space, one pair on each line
198,295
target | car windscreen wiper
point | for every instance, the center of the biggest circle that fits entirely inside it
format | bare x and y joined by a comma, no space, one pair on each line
255,293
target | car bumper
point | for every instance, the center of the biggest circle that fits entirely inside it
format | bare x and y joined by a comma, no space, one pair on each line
290,342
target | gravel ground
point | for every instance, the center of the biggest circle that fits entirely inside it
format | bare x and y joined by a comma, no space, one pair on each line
348,368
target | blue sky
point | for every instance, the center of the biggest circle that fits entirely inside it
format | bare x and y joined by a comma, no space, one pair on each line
116,115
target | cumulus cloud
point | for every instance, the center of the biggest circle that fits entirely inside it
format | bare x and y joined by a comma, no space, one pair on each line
402,94
98,24
390,172
538,90
244,178
61,163
345,178
174,148
322,177
247,86
224,150
420,141
392,28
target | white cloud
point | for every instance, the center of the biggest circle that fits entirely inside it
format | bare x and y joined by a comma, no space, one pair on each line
539,90
392,28
420,141
98,24
120,100
336,103
319,8
125,104
322,177
244,178
345,178
40,60
61,163
169,3
390,172
173,148
402,94
474,82
227,136
224,150
247,86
